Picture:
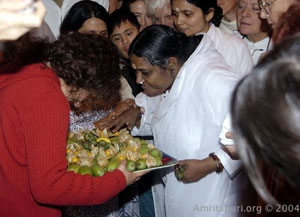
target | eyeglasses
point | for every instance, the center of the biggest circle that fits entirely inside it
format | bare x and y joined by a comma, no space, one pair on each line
253,8
264,5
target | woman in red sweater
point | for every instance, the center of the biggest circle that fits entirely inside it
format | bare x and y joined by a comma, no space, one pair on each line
34,119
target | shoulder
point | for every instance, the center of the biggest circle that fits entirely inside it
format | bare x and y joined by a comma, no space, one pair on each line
35,83
210,70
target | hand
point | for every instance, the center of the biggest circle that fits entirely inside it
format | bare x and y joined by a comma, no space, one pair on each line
231,149
196,169
130,176
130,117
13,23
120,108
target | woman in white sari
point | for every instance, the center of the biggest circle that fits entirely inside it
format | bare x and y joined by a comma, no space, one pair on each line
187,88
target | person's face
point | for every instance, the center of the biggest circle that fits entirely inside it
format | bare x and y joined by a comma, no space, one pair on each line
248,19
123,35
75,97
188,18
273,9
154,79
227,5
163,16
94,26
139,9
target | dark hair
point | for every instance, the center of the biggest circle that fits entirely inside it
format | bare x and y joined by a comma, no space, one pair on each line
206,5
126,3
89,62
121,16
288,24
79,13
157,43
24,51
266,115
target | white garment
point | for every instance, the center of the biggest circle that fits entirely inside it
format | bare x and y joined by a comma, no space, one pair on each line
257,48
55,14
185,123
52,17
234,50
228,27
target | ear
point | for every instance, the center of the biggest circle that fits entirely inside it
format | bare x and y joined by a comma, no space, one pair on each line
210,14
172,62
173,66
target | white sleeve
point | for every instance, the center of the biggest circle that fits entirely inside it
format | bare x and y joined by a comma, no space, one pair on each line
245,58
142,101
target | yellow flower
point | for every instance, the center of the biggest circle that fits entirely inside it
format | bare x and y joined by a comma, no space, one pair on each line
74,160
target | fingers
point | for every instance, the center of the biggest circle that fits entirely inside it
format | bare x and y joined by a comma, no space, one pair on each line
102,123
130,176
228,135
13,23
141,173
14,5
117,124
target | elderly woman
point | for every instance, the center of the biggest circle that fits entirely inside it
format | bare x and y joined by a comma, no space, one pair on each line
272,10
253,29
161,12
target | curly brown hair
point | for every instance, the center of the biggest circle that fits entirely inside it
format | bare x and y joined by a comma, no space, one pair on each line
88,62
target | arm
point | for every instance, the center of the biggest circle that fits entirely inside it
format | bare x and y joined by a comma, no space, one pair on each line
218,91
44,119
245,57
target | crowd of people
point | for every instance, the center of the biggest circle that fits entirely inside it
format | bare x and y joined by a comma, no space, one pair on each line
168,70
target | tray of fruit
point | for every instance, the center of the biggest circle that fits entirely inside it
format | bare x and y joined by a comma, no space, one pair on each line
97,152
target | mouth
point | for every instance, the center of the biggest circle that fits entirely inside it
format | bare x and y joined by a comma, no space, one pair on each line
145,87
244,23
126,49
182,29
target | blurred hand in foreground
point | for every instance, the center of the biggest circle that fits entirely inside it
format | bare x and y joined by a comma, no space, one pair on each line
18,17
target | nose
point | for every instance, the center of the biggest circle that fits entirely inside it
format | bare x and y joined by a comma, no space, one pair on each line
125,40
246,12
178,21
159,21
77,104
142,21
139,78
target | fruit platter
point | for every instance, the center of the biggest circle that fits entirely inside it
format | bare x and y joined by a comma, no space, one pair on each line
99,151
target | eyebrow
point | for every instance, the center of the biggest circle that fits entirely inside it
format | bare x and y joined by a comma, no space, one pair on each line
130,29
115,35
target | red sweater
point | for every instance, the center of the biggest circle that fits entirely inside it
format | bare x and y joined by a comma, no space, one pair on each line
34,118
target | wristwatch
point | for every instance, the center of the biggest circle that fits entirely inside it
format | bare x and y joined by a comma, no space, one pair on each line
219,165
